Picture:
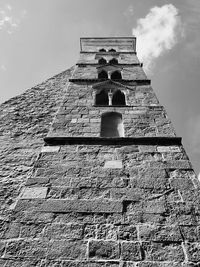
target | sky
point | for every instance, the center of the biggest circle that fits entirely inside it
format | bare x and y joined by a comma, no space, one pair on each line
40,38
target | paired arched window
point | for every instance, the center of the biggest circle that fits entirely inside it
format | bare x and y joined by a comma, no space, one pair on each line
116,75
102,61
107,98
113,61
103,75
112,50
118,99
102,98
112,125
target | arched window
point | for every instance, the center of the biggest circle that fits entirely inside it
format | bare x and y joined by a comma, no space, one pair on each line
113,61
103,75
112,50
118,99
102,98
102,61
116,75
102,50
112,125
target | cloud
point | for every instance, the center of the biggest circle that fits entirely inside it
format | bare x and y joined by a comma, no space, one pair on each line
158,32
8,21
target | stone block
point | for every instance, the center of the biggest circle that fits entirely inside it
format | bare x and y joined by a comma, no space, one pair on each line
107,231
86,206
131,251
34,192
64,249
113,164
103,249
27,249
160,233
193,252
63,231
50,149
163,252
127,232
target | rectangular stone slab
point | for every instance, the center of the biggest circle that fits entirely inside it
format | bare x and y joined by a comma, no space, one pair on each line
85,206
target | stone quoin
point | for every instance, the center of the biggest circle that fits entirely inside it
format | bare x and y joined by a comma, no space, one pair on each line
93,173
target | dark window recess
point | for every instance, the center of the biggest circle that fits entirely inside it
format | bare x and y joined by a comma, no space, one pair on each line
103,75
102,61
102,50
112,125
118,99
112,50
102,98
116,75
113,61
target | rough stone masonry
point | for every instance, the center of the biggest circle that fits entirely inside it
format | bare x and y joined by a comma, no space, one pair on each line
93,173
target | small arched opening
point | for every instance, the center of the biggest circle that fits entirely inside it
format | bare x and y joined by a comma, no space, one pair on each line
118,99
116,75
113,61
103,75
112,125
112,50
102,98
102,50
102,61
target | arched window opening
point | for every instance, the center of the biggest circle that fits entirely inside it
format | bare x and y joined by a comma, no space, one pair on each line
102,98
118,99
102,50
112,50
113,61
102,61
103,75
112,125
116,75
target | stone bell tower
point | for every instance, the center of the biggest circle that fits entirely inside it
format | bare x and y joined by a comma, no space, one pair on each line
112,186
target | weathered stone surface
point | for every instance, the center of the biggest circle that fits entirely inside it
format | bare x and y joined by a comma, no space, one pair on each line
113,164
87,206
103,249
131,251
49,149
34,192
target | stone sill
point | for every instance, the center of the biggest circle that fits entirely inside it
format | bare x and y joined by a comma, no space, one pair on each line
161,141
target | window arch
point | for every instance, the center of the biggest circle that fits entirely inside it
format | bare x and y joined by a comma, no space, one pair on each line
102,50
112,125
112,50
118,99
113,61
103,75
102,98
102,61
116,75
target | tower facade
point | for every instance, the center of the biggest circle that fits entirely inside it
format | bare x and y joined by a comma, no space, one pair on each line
112,186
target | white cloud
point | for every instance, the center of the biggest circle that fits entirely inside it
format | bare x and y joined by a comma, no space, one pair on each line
8,20
158,32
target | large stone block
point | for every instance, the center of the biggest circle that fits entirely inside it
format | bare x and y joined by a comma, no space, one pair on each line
34,192
67,250
103,249
131,251
84,206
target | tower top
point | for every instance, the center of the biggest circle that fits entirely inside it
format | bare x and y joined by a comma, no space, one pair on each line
109,44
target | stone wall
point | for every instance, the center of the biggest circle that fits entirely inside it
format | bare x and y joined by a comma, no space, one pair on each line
98,205
24,121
